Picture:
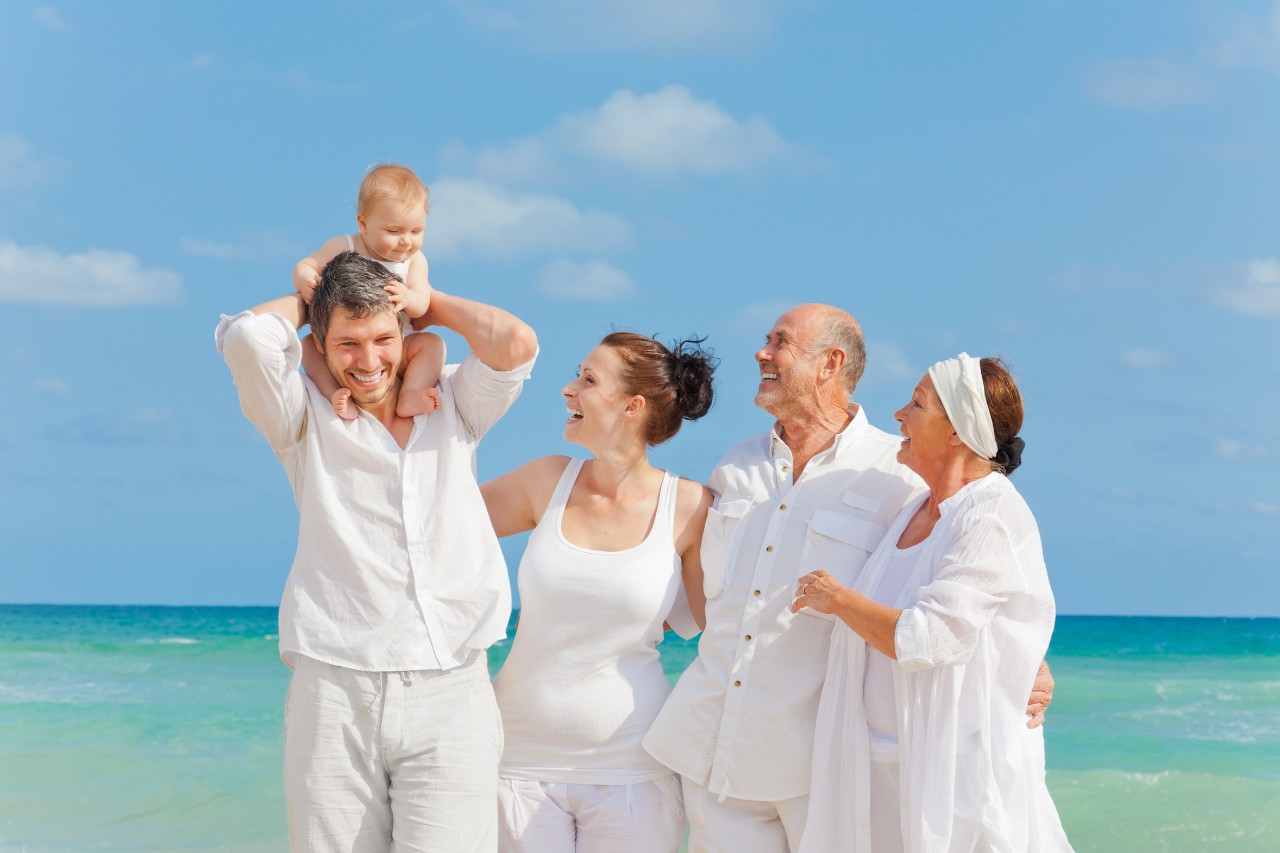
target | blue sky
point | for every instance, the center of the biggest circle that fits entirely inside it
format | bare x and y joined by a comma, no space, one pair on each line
1086,188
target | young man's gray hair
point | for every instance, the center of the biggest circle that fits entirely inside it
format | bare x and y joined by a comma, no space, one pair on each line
838,330
353,283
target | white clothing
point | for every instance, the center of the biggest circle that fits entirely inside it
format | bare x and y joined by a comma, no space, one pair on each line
397,566
584,681
976,621
740,720
566,817
400,268
360,745
886,805
877,691
729,825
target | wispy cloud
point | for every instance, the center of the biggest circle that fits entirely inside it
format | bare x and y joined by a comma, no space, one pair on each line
39,276
19,166
1250,40
662,25
1139,358
266,244
1256,292
755,319
585,281
51,387
1263,508
295,79
1147,84
479,217
47,16
662,134
147,426
887,363
1230,448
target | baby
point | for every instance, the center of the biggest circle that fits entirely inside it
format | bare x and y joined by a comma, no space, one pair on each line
391,212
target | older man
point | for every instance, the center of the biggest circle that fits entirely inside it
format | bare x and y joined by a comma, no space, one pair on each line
397,588
819,490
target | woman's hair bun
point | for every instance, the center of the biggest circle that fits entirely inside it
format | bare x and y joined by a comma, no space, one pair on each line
1009,456
691,375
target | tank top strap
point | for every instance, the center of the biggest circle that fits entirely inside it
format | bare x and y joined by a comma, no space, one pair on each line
560,497
665,516
351,243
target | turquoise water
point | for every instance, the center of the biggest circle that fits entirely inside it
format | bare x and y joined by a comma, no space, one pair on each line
159,729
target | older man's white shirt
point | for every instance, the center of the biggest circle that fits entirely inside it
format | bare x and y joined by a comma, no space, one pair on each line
740,720
397,566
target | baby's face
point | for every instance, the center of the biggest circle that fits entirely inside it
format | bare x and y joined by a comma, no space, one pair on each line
392,230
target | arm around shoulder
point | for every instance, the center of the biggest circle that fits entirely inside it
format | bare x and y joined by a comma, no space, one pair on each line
692,502
498,338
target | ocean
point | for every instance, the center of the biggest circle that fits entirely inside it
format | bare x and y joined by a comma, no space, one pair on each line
160,729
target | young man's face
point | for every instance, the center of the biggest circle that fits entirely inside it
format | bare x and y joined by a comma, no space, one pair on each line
364,355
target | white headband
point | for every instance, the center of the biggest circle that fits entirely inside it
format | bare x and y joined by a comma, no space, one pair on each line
958,382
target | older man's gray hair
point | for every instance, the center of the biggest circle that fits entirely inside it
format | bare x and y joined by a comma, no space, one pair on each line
353,283
838,329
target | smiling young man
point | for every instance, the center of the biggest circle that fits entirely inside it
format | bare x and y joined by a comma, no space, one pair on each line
392,735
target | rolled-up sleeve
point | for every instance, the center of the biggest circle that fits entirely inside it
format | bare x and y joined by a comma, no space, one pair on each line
975,576
264,353
483,394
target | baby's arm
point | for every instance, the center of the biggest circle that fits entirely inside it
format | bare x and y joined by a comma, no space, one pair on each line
424,362
414,296
313,362
306,275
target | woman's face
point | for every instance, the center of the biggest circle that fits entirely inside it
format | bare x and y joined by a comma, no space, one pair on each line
595,399
926,430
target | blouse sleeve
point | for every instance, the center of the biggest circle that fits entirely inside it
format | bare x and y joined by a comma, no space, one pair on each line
978,571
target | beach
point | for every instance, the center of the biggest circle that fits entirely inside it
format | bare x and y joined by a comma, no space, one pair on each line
160,729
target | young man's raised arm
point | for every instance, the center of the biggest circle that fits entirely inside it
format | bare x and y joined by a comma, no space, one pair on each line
498,338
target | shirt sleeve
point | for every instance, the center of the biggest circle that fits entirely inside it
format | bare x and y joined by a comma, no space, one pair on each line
681,616
483,394
264,353
978,571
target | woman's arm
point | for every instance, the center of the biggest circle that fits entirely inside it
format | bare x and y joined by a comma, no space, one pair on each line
517,499
692,502
870,620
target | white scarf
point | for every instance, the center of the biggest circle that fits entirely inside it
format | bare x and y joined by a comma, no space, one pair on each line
958,382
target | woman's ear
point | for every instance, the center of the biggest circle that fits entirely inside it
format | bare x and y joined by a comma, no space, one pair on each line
635,407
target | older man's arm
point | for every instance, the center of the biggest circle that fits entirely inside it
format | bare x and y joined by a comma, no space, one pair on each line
498,338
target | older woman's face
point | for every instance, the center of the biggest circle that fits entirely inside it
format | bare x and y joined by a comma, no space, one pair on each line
926,430
595,398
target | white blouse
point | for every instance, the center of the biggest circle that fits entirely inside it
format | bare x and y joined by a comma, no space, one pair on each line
976,621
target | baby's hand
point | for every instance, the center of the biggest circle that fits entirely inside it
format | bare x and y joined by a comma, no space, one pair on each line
305,280
413,303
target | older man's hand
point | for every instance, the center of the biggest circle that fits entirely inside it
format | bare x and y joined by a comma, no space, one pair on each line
1041,696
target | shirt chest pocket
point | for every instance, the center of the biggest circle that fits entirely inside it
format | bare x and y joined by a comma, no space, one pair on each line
721,539
838,543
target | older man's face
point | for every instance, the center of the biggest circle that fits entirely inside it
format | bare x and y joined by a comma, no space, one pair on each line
788,373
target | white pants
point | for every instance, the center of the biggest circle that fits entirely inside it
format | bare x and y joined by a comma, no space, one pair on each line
742,826
560,817
886,805
391,761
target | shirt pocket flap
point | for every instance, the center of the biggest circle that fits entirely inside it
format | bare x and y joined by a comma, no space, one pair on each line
720,540
734,507
858,501
847,529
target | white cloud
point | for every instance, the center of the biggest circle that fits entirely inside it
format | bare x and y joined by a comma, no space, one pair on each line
263,245
1147,84
755,319
1263,508
663,25
1258,291
40,276
887,363
662,134
1250,40
147,426
585,281
1230,448
473,216
1145,359
51,386
19,167
48,16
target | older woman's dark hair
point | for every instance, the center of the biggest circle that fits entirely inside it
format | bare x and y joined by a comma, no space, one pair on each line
1005,402
353,283
676,383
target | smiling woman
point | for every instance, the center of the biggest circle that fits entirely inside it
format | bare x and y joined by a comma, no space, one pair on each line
613,555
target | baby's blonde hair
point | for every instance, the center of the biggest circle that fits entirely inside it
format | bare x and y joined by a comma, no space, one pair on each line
391,181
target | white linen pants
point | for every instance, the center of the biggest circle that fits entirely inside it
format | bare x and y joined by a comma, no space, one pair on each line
566,817
391,761
742,826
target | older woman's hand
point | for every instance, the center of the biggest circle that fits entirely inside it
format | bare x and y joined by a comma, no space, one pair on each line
817,591
1041,696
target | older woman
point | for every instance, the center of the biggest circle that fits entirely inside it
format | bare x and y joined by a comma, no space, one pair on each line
921,742
614,541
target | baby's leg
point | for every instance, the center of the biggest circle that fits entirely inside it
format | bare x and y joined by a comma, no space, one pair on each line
423,364
318,371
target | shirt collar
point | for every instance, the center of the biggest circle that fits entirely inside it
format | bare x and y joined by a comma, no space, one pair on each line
845,438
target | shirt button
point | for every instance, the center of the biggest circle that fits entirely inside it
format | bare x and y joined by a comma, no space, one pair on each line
747,637
737,684
784,506
755,592
769,549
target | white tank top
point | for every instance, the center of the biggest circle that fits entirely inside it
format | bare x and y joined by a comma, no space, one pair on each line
878,696
400,268
583,681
